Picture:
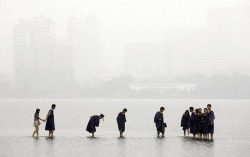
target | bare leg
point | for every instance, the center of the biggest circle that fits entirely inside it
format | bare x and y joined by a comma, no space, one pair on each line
121,133
52,133
35,131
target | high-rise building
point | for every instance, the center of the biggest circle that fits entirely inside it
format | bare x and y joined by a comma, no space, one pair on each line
33,41
148,60
190,49
84,39
39,64
229,40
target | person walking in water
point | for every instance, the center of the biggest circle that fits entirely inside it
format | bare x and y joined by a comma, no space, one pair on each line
121,120
159,122
37,122
211,118
93,123
185,122
50,123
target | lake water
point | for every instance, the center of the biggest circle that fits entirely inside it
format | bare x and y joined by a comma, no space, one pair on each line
231,138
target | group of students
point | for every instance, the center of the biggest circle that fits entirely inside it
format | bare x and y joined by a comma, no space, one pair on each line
200,123
91,127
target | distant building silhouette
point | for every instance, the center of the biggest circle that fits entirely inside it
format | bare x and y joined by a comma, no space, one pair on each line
148,60
39,65
84,39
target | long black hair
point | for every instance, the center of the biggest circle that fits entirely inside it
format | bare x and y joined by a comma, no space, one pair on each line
186,113
37,111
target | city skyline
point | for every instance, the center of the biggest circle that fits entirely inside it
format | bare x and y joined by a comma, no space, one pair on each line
137,25
150,49
86,32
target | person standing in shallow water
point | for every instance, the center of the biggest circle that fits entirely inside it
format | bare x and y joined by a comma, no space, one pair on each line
93,123
200,130
159,122
192,120
211,118
185,122
204,123
121,120
37,122
197,123
50,124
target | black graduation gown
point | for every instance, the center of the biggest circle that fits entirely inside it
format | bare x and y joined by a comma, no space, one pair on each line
185,122
159,122
121,120
192,121
211,122
93,123
50,124
204,123
197,123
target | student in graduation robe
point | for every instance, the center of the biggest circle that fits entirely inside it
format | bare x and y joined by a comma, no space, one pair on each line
121,120
196,121
159,122
204,123
200,129
192,118
211,118
50,123
93,123
185,122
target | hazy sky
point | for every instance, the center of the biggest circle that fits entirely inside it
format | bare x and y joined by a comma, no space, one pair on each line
121,21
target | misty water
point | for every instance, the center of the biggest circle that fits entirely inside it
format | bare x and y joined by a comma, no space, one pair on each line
231,138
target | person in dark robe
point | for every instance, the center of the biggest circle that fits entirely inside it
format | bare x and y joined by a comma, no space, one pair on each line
211,118
200,129
192,119
50,123
159,122
93,123
121,120
185,122
204,123
37,122
196,120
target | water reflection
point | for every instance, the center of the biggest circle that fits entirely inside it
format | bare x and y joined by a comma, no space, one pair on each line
50,146
121,144
191,146
160,145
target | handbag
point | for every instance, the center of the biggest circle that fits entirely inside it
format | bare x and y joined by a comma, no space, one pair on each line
165,125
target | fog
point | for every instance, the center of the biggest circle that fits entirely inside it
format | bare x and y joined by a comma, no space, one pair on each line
125,49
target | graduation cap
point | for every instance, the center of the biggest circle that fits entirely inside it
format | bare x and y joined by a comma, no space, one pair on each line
101,115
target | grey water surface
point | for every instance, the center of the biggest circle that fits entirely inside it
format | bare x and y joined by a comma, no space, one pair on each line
231,138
